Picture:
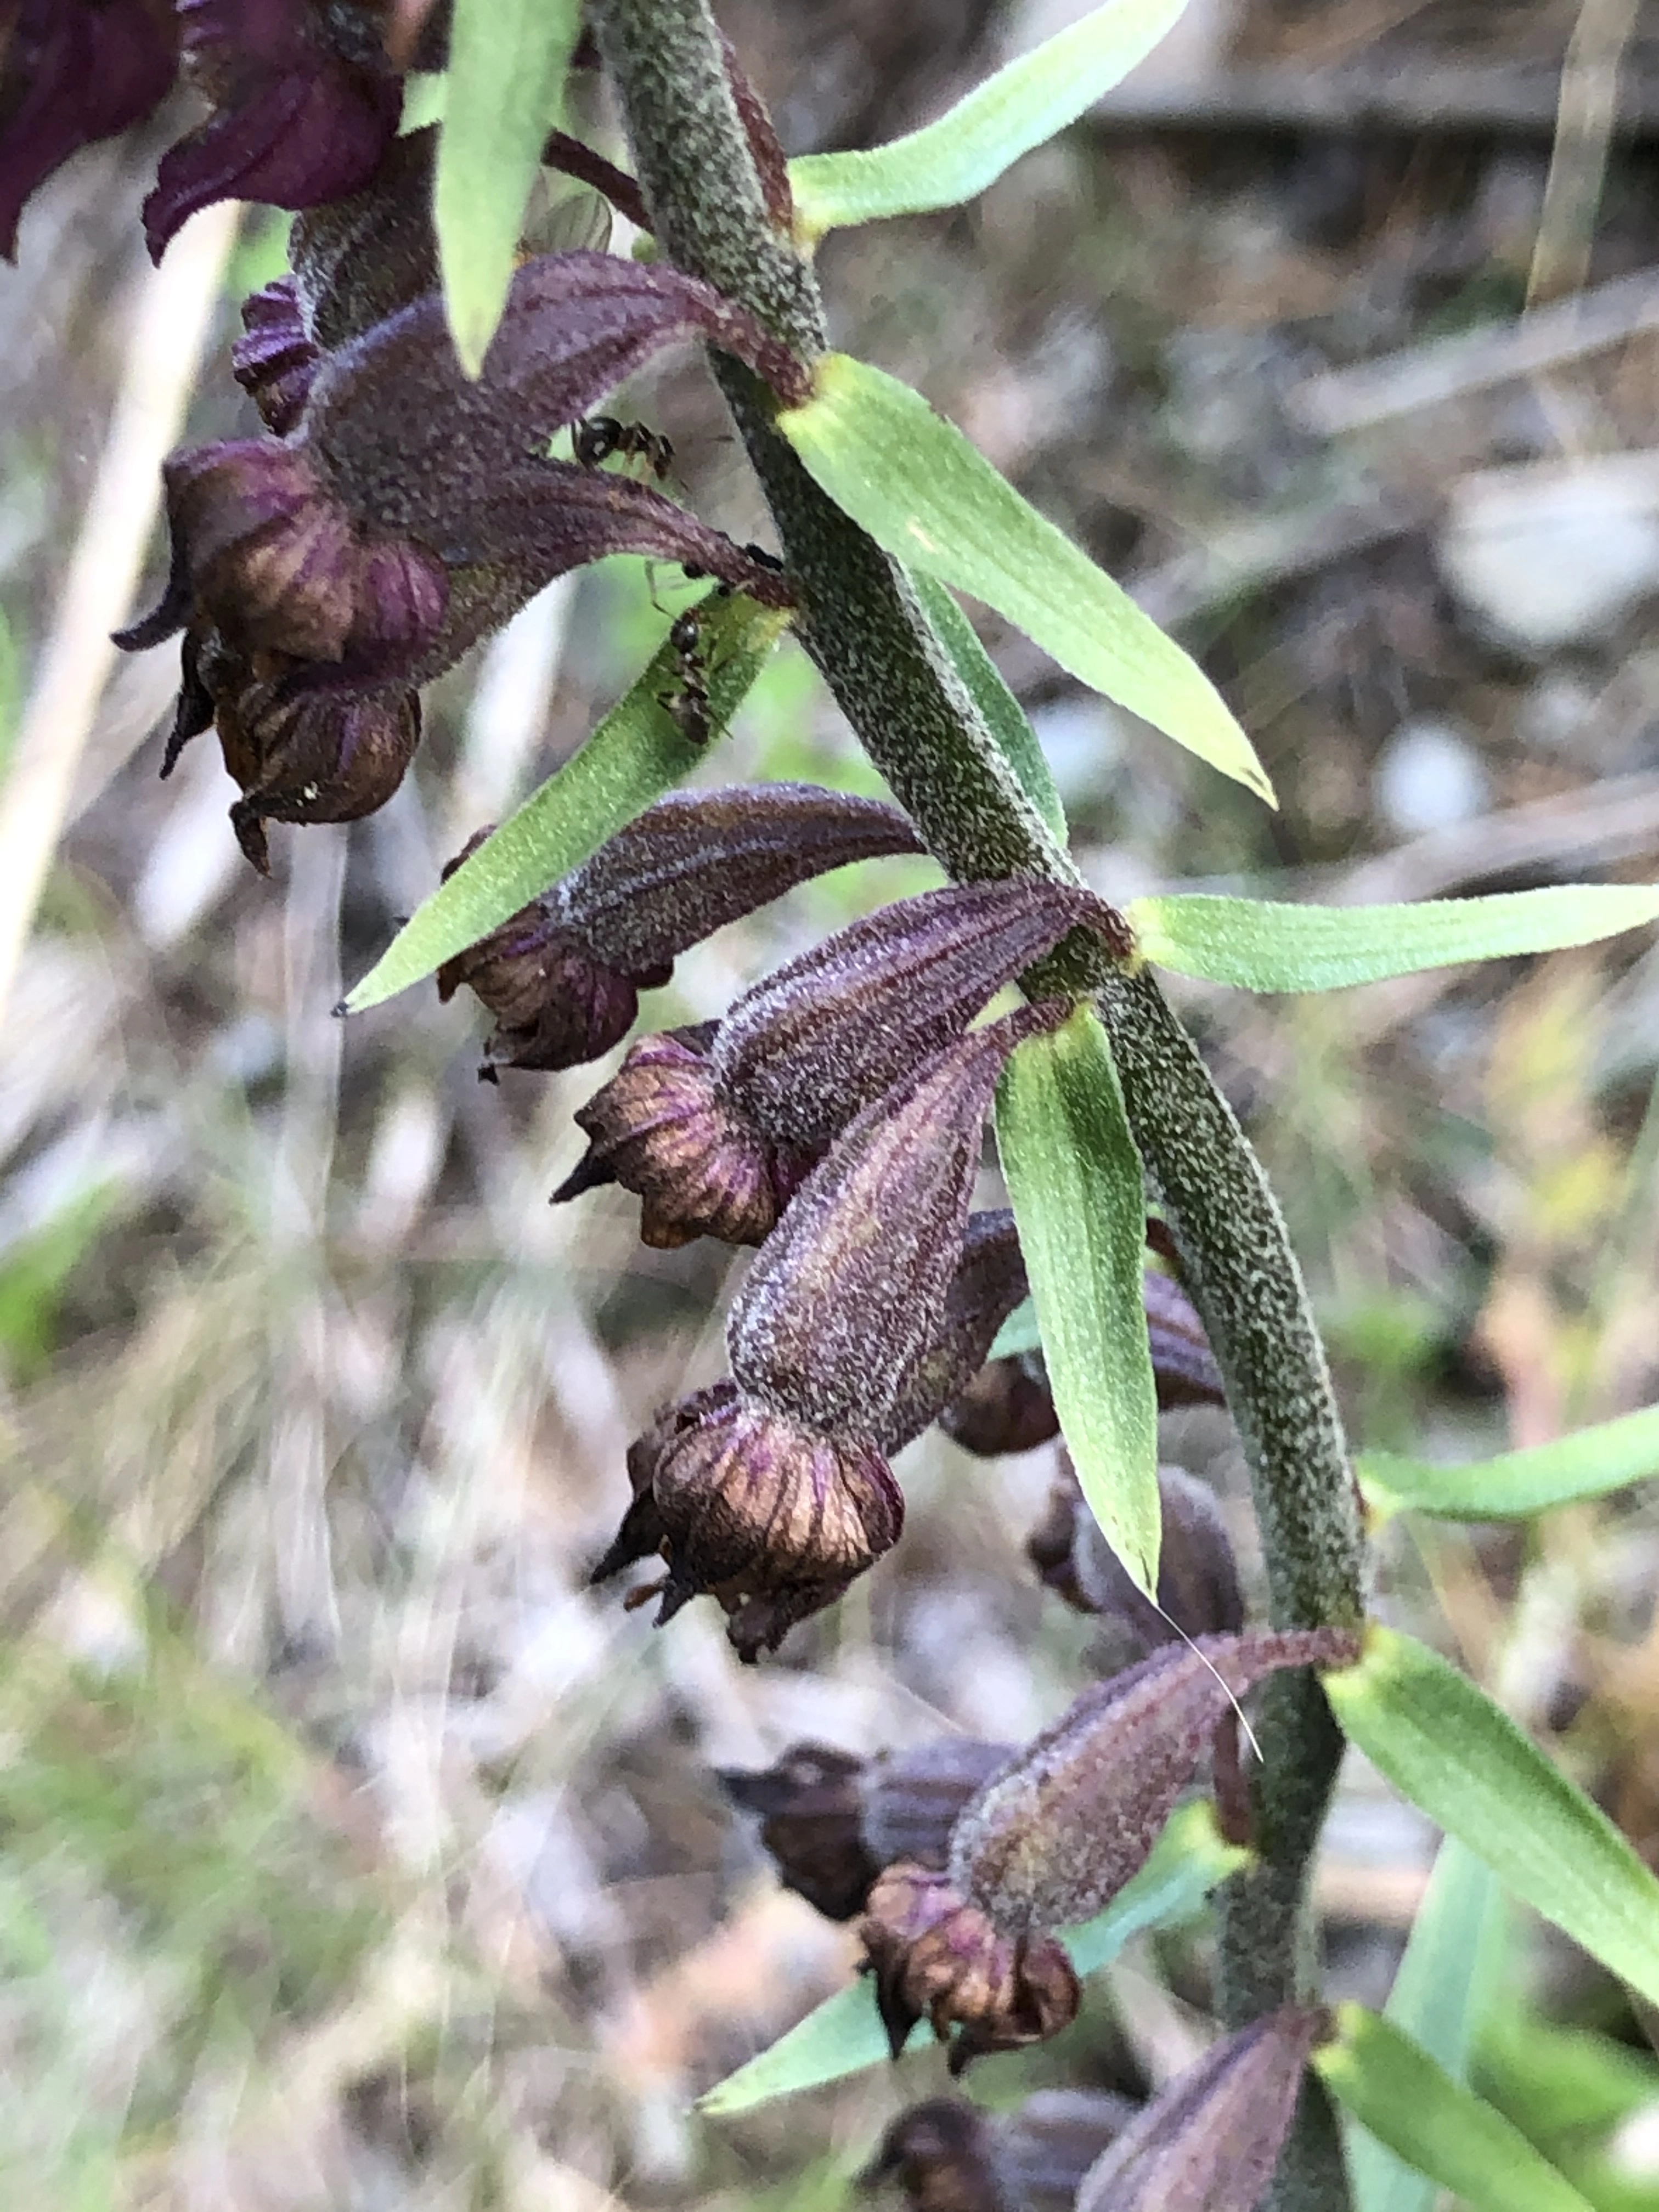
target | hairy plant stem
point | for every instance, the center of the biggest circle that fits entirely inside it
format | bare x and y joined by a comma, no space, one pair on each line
861,622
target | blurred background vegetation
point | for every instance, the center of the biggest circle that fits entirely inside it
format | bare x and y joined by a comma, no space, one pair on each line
351,1853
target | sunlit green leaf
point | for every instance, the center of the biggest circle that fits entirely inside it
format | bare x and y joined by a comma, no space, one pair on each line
1440,1991
1436,2125
507,60
1075,1180
1262,946
1020,107
1517,1484
1005,717
1461,1758
929,497
844,2034
635,753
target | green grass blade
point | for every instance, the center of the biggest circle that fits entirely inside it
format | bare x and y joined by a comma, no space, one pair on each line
1439,1994
1443,2129
1515,1486
507,60
1461,1758
956,158
930,498
1260,945
1075,1180
1005,717
844,2035
635,754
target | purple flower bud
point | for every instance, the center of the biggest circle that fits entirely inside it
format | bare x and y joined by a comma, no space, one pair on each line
71,72
746,1506
562,976
305,104
839,1314
1212,2141
950,2156
832,1821
1050,1841
937,1957
275,361
1198,1583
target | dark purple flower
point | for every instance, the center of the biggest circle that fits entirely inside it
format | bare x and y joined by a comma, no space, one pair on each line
305,104
562,976
950,2157
71,72
746,1506
1051,1840
936,1957
1198,1585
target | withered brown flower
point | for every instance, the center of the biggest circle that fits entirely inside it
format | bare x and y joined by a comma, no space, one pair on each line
747,1505
938,1958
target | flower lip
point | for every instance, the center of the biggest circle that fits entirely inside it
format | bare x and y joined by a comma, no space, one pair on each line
750,1508
936,1956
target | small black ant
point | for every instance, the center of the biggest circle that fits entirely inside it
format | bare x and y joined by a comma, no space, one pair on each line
596,439
687,705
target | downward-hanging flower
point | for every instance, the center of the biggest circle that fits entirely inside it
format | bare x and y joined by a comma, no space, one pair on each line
404,512
771,1492
563,976
716,1141
71,72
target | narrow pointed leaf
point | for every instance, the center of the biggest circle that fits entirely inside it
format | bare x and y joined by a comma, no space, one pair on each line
929,497
1517,1484
1461,1758
1074,1178
1260,945
1440,1990
1005,717
1019,107
844,2034
1395,2089
635,754
507,60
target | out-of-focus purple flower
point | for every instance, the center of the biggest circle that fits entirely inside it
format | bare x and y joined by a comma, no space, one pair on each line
71,72
305,103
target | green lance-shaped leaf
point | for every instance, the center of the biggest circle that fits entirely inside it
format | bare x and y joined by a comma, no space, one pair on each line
929,497
507,60
956,158
1445,1745
1005,717
1395,2089
1262,946
844,2034
1517,1484
1075,1181
636,752
1440,1992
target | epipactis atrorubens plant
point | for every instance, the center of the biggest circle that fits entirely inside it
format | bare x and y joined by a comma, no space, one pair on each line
399,502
